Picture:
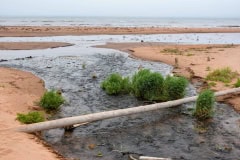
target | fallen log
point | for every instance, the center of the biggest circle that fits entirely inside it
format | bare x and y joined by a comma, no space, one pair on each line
153,158
59,123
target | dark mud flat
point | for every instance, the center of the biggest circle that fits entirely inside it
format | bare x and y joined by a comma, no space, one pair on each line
172,132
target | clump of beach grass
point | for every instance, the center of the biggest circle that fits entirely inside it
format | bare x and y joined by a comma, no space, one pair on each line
174,88
225,75
31,117
116,84
237,84
51,100
204,105
174,51
146,85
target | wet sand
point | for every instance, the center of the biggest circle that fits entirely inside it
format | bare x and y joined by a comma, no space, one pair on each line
19,90
32,31
31,45
194,61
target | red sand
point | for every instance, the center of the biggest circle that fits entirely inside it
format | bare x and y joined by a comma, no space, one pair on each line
19,90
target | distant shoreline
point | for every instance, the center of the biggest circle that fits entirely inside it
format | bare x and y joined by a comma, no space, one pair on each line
118,21
41,31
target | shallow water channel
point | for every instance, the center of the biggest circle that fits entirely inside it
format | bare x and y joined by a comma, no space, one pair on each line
171,132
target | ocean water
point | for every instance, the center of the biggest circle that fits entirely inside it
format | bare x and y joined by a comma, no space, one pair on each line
119,21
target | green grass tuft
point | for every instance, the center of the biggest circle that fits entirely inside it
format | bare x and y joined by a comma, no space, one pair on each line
126,85
237,84
116,84
51,100
204,105
224,75
174,88
147,85
212,84
31,117
174,51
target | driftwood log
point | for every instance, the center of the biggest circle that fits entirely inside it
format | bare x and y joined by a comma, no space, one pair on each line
153,158
59,123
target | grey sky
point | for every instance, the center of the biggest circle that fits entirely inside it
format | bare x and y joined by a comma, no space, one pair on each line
156,8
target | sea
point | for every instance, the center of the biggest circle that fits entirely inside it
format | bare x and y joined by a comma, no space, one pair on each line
120,22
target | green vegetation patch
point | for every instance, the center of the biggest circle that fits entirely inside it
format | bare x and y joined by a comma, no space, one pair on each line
212,84
31,117
174,51
204,105
116,84
228,46
174,88
237,84
51,100
146,85
225,75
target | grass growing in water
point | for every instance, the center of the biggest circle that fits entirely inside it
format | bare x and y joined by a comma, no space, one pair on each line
147,85
31,117
126,85
174,88
224,75
116,84
204,105
51,100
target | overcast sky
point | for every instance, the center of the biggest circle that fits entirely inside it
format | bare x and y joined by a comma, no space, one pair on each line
146,8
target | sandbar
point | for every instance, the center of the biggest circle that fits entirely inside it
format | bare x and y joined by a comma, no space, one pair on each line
41,31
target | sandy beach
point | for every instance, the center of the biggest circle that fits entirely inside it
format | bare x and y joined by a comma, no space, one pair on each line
32,31
19,91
